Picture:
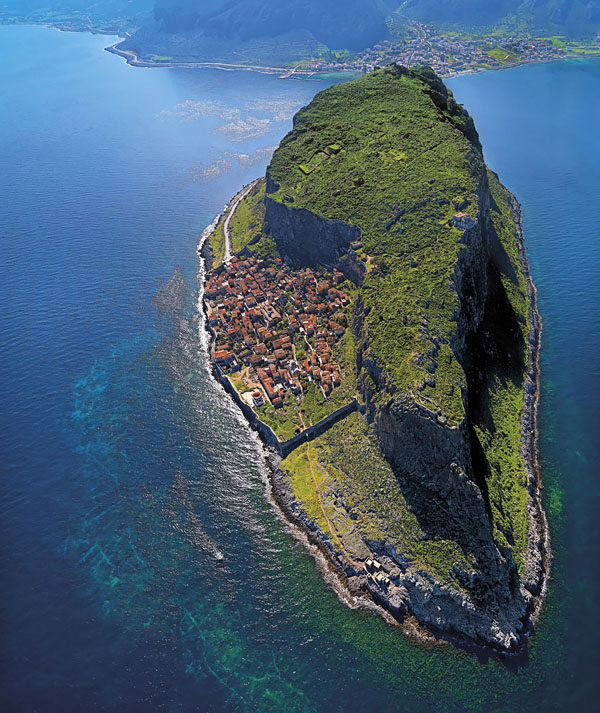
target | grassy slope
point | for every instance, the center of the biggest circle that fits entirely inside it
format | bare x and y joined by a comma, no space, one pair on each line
504,56
358,499
217,244
247,220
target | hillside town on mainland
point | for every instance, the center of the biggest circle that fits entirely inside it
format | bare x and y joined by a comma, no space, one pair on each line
276,327
447,54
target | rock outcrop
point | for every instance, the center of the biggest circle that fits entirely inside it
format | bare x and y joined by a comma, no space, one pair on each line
445,336
440,470
306,238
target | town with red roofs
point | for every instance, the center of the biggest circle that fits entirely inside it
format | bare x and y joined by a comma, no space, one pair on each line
276,328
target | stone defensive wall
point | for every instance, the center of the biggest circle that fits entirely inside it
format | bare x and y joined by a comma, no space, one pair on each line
284,448
318,428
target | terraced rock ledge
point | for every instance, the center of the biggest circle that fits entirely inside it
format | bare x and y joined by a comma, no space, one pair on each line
381,262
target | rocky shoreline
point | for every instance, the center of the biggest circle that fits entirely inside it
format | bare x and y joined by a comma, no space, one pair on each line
538,555
132,59
352,589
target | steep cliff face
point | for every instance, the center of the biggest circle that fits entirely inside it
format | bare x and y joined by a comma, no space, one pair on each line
306,238
395,418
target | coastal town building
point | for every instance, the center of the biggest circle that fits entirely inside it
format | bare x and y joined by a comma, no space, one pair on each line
446,53
276,327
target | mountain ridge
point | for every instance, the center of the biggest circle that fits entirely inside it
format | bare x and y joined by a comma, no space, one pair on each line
349,24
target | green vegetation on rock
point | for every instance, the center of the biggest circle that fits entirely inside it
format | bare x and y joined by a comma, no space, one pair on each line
247,220
217,244
359,499
403,170
497,420
386,172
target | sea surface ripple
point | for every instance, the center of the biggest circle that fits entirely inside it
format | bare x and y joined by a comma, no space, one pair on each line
144,567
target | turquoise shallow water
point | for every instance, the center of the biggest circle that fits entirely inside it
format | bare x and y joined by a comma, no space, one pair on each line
144,568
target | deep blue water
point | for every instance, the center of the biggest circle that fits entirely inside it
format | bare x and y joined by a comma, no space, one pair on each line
126,473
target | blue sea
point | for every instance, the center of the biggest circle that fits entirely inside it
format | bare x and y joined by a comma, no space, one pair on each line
144,567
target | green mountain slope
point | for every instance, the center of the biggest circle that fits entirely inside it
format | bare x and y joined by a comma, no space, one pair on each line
259,32
121,14
383,178
351,24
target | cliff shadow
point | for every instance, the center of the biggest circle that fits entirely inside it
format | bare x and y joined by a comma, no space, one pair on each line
498,253
496,350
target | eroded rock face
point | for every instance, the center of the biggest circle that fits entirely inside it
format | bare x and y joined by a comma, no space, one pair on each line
436,469
305,238
352,267
455,614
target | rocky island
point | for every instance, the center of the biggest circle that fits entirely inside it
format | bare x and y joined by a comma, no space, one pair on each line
373,315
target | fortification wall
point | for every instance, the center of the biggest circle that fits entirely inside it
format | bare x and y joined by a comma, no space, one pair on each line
318,428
